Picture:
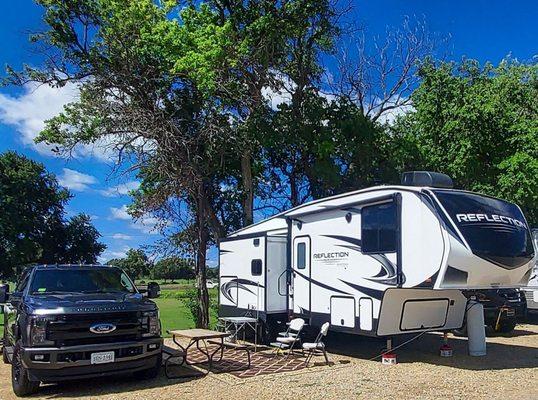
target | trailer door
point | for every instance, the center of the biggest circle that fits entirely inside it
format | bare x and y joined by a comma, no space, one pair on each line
301,276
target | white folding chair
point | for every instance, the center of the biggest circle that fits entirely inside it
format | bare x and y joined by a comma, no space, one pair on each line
288,340
318,347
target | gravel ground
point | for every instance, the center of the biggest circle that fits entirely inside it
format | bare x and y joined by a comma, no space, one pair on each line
509,371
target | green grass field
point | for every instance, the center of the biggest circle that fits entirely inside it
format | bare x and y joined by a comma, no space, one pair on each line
175,315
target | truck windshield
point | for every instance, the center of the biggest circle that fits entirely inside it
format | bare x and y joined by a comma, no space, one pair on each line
81,280
494,229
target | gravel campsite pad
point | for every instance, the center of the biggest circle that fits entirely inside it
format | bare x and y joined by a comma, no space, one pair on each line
509,371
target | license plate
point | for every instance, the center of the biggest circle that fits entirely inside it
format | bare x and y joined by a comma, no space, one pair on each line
102,358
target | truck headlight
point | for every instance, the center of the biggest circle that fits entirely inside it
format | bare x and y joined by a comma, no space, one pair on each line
38,330
151,324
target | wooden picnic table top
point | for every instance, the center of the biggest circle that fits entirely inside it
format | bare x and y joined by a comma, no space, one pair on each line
198,334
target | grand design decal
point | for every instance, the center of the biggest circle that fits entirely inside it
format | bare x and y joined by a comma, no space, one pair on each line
237,283
387,273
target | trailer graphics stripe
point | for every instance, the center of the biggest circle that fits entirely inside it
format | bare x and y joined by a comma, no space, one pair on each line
376,294
239,283
322,285
387,275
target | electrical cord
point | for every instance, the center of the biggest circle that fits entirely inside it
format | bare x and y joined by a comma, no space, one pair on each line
397,347
417,336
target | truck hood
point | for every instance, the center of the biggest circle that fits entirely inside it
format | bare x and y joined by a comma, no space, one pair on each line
88,303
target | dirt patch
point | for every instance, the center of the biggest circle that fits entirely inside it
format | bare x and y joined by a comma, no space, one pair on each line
509,371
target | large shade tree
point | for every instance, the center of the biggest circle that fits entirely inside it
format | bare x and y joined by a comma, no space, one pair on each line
176,90
478,124
33,227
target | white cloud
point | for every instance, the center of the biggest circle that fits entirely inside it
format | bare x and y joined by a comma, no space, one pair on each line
116,253
28,111
121,236
120,213
281,95
121,189
145,224
276,97
390,116
74,180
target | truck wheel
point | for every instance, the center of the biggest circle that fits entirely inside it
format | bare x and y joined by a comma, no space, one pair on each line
5,358
152,372
22,386
506,326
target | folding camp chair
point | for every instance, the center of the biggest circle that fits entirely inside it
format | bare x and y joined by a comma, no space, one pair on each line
288,339
318,347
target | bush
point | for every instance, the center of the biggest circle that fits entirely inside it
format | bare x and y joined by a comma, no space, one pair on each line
190,299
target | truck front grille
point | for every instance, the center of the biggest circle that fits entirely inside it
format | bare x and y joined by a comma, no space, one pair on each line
74,329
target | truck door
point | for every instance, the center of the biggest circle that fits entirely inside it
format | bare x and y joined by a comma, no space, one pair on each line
301,276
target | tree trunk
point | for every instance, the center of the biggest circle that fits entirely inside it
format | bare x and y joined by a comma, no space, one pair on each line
248,189
202,318
294,192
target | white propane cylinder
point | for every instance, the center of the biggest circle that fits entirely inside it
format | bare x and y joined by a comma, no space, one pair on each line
476,330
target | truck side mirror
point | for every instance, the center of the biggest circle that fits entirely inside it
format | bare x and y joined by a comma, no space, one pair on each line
4,292
154,290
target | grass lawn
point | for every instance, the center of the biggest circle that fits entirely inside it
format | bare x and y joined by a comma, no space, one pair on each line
174,315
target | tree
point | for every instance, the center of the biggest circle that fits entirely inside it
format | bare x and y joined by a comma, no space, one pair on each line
32,224
173,268
478,124
177,97
136,263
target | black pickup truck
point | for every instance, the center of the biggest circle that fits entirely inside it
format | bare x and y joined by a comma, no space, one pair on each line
85,321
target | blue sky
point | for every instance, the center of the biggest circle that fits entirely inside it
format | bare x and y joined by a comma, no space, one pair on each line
480,29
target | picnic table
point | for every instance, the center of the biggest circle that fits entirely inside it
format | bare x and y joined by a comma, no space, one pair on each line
204,336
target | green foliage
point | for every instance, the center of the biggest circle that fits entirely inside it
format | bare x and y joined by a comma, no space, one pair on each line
478,124
173,268
136,263
33,228
190,299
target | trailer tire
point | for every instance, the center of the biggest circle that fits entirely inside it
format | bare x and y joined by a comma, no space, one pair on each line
505,326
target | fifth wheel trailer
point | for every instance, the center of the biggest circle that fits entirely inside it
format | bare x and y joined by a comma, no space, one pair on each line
382,261
531,291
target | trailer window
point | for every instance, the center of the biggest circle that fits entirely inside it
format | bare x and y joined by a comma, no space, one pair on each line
256,267
379,228
301,255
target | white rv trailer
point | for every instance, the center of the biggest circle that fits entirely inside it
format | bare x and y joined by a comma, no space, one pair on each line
531,291
381,261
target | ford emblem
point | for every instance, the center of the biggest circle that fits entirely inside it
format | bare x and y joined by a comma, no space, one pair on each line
102,328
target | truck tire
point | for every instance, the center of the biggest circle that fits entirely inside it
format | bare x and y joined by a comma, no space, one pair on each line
21,384
5,358
152,372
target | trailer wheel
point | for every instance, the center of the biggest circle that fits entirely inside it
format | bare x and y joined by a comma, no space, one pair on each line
505,326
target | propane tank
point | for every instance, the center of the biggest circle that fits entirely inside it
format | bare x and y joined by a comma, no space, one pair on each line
476,330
